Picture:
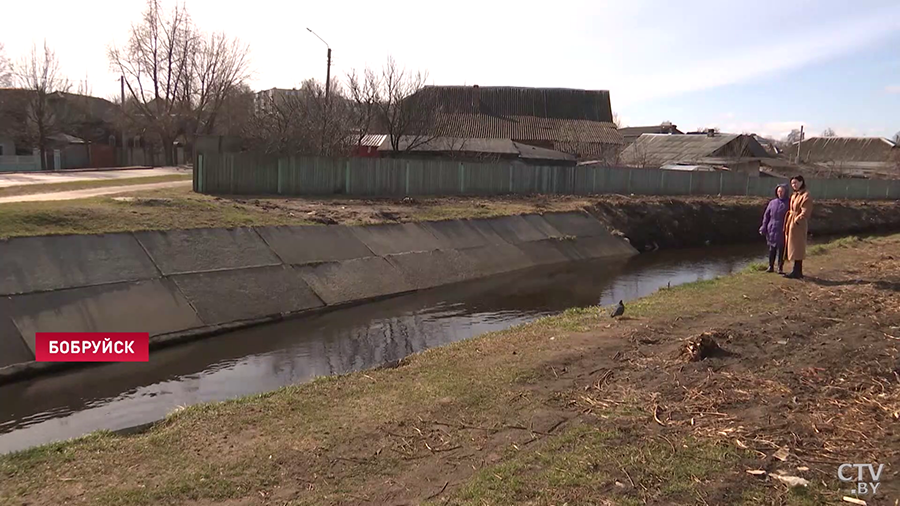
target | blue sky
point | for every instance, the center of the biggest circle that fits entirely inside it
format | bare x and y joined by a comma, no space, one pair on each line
765,66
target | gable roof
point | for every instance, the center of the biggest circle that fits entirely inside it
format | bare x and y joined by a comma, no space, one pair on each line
553,115
844,149
501,147
659,149
630,134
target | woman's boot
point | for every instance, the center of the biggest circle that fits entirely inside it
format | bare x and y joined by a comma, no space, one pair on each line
772,254
797,272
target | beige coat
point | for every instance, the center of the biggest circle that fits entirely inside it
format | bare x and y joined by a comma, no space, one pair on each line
796,225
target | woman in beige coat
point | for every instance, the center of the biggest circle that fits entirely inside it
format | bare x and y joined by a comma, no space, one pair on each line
796,226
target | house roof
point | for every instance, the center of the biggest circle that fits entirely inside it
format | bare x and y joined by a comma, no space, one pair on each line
521,114
660,149
844,149
630,134
371,140
499,147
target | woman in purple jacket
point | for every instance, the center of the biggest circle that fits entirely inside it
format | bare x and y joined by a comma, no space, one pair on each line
773,227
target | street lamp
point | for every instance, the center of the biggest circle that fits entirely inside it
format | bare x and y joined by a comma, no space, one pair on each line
328,69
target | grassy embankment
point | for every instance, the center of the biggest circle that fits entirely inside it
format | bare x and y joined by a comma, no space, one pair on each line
181,208
571,409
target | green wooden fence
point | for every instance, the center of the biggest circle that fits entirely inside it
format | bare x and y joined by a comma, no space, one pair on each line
253,174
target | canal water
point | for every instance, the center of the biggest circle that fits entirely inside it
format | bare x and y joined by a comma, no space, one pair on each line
123,395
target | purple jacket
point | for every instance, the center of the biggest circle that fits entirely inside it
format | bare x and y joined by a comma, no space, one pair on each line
773,219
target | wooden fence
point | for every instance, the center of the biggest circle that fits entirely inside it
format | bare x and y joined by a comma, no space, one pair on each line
253,174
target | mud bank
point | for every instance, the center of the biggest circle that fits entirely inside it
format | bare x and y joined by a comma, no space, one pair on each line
179,285
659,222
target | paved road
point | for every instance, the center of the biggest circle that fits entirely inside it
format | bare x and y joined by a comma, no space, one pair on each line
92,192
21,178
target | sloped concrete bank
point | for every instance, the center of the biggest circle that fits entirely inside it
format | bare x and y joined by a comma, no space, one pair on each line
185,284
666,222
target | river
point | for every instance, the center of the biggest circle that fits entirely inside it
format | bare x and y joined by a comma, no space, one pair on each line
123,395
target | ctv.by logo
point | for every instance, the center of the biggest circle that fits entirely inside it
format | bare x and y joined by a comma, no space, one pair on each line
863,487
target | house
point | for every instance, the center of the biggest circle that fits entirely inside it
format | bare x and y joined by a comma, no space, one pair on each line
630,134
367,146
738,152
477,150
848,156
577,122
264,100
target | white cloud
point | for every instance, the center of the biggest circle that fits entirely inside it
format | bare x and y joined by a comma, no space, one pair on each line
893,88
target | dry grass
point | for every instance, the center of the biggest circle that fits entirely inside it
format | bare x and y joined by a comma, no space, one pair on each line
573,408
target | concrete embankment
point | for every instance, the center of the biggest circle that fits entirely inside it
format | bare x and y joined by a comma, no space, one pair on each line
182,284
662,222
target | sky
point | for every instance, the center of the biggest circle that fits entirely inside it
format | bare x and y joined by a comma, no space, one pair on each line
763,67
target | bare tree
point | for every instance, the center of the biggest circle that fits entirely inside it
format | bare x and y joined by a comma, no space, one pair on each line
828,132
84,87
40,74
220,67
897,138
294,121
793,137
177,76
396,102
617,120
6,71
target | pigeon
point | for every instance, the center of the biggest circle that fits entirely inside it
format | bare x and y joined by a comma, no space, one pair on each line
619,310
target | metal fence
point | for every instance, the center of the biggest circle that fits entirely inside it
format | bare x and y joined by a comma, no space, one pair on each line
253,174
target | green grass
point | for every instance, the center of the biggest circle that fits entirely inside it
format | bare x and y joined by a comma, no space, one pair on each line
32,189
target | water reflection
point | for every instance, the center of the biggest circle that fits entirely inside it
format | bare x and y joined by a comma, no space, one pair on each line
116,396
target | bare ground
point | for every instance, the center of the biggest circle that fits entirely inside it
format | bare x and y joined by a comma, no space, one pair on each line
572,409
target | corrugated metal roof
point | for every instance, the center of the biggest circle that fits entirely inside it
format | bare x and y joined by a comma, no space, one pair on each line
372,140
847,149
659,149
558,103
630,134
501,147
575,121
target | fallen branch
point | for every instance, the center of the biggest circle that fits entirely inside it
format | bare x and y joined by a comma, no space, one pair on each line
439,492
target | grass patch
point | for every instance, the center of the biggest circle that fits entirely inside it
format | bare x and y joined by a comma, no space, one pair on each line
105,215
843,242
33,189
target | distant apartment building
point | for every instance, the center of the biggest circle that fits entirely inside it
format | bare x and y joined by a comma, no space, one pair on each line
266,99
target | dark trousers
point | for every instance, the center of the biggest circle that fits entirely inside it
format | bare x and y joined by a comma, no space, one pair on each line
776,252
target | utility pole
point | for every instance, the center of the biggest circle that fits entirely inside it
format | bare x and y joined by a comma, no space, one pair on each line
799,144
124,145
327,86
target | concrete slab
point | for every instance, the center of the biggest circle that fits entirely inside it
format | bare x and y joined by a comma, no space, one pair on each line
212,249
550,251
576,224
516,229
483,226
396,238
497,259
435,268
537,221
244,294
305,245
357,279
153,306
31,264
603,247
456,234
13,349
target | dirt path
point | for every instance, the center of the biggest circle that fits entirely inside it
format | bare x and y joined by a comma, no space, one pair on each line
93,192
576,409
51,177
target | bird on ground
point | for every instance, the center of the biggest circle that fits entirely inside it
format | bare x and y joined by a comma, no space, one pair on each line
619,310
